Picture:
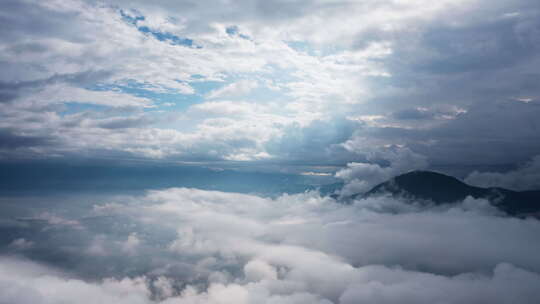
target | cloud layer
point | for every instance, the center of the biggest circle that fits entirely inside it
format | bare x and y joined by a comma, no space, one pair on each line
192,246
242,81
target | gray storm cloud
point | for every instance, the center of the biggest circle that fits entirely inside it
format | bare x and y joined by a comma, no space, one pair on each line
526,177
304,248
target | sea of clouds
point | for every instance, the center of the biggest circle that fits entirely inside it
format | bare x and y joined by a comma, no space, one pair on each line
184,245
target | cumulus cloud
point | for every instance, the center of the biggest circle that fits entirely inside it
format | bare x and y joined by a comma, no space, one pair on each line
189,137
361,177
526,177
31,283
408,64
192,246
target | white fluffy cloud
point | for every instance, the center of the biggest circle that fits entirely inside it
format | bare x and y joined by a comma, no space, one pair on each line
407,70
27,282
238,248
302,82
361,177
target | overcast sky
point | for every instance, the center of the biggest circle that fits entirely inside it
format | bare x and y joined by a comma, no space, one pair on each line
450,82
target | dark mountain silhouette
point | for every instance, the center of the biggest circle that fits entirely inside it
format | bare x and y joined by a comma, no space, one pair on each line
443,189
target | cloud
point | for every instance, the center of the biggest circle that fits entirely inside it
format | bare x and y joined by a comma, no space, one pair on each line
63,94
120,122
12,90
11,140
192,246
417,113
526,177
383,86
431,84
256,270
361,177
26,282
32,283
131,244
21,244
471,137
318,141
236,89
460,289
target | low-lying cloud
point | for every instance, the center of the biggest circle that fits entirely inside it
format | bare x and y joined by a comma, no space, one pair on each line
193,246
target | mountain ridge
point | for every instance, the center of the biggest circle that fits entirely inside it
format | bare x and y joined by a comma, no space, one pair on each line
444,189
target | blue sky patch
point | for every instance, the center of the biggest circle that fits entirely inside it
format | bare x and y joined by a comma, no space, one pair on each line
161,36
235,31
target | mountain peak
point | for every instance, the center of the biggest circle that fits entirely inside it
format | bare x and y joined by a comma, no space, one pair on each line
429,177
442,189
426,185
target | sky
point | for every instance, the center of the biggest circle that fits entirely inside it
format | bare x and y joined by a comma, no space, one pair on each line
182,151
271,82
